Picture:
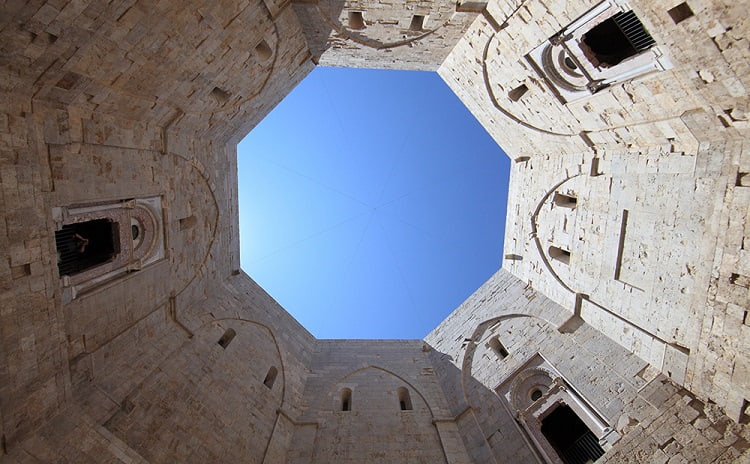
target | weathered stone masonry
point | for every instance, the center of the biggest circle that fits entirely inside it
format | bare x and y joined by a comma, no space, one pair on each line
624,295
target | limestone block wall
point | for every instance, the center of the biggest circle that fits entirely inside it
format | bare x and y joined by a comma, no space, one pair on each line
366,34
375,428
188,359
105,103
213,69
654,164
633,397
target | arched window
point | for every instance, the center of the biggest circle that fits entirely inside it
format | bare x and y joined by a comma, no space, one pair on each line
270,377
403,399
226,339
346,399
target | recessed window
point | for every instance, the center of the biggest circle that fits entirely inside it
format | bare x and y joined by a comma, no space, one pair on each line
417,23
346,399
570,437
270,377
498,348
263,50
84,245
616,39
559,254
356,20
680,13
518,92
536,394
188,222
743,179
220,96
565,201
404,400
227,338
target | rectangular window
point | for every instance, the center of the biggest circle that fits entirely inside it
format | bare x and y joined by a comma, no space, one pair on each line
84,245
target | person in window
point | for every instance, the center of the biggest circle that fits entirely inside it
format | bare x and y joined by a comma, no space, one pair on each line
80,243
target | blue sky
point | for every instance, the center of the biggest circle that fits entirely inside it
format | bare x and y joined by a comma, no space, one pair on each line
372,203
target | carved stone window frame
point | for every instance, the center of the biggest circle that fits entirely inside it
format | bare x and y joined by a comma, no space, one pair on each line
517,391
147,214
570,73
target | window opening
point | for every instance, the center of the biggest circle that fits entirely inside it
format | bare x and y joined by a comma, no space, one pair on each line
680,13
346,399
221,96
559,254
356,20
417,23
569,436
263,50
187,222
616,39
536,394
226,339
518,92
743,179
498,348
270,377
404,400
84,245
566,201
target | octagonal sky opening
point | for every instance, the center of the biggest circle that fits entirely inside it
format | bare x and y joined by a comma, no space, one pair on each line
372,203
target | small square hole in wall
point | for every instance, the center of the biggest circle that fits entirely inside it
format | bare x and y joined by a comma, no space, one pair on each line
23,270
263,50
356,20
743,179
417,23
680,13
221,96
518,92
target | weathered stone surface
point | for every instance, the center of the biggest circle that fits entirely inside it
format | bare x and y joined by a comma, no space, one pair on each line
627,266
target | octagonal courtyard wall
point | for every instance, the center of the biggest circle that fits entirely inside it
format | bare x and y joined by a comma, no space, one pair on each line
112,102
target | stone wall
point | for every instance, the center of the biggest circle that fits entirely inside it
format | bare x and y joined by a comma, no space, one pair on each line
647,409
626,248
654,165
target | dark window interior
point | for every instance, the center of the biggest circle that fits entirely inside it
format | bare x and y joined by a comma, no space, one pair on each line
573,441
227,338
680,13
616,39
84,245
346,399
